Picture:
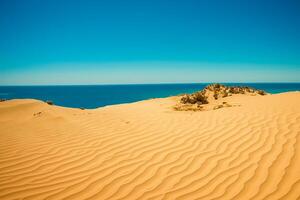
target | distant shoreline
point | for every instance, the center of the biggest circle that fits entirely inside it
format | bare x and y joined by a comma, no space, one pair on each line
120,104
94,96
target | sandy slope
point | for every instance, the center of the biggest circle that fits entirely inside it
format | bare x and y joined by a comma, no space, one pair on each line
145,150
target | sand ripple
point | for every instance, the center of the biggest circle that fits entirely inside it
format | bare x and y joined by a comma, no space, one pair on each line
146,150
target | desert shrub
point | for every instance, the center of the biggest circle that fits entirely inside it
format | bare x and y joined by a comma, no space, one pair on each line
197,97
250,90
214,87
49,102
208,87
261,92
217,91
186,99
231,90
217,85
216,96
187,107
200,98
218,106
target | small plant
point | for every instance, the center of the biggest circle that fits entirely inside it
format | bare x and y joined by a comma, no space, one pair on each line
218,107
185,99
200,98
49,102
197,97
261,92
217,85
225,94
37,114
216,96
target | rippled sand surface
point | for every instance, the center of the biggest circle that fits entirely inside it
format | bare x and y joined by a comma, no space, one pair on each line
146,150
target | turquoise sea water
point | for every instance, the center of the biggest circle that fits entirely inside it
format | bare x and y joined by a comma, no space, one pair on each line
93,96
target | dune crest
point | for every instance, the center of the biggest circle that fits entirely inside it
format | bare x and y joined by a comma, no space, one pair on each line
146,150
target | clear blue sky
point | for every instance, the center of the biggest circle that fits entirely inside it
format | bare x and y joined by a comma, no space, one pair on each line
136,41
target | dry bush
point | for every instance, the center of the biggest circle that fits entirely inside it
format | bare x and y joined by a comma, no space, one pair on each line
187,107
217,85
197,97
218,106
261,92
216,96
49,102
185,99
219,91
200,98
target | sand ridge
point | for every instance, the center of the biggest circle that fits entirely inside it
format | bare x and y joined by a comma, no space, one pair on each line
146,150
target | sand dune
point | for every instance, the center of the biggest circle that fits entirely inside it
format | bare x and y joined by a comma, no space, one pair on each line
146,150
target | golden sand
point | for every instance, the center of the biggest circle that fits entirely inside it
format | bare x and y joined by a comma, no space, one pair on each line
147,150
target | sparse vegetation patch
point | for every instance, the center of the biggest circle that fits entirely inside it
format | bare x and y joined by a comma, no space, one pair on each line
212,93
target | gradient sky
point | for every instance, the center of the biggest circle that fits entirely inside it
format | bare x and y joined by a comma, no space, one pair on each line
157,41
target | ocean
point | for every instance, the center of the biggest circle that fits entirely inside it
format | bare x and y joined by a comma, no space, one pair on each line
93,96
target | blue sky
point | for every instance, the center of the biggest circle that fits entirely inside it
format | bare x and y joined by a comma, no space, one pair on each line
134,41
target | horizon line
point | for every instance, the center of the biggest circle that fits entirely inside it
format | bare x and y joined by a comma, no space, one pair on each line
166,83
